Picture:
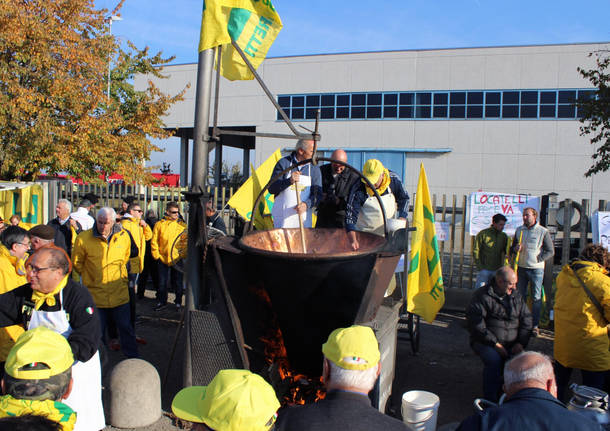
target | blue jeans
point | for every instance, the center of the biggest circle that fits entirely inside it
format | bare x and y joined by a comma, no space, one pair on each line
535,275
121,316
493,366
169,274
483,277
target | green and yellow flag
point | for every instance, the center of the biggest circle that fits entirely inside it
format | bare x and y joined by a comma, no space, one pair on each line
25,201
425,292
253,24
243,199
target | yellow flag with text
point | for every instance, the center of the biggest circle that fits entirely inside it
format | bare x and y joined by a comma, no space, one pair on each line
243,199
425,291
253,24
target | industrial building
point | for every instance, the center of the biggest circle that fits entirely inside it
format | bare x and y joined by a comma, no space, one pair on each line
498,119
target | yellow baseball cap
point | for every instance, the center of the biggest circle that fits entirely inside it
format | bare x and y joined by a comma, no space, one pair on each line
235,400
36,346
372,170
353,348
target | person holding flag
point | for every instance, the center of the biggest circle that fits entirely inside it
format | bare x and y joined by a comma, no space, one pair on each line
425,291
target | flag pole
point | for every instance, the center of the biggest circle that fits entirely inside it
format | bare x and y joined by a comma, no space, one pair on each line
195,283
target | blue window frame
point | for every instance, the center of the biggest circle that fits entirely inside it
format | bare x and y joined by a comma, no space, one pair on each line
437,105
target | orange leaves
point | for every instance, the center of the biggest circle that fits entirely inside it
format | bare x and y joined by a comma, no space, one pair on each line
54,112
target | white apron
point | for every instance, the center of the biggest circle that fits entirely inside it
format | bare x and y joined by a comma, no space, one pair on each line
370,218
86,396
284,212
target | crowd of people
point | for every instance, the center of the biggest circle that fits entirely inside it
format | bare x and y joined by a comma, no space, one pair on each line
72,285
501,323
79,277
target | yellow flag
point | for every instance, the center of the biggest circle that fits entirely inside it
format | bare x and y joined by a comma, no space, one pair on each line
425,292
243,199
253,24
25,202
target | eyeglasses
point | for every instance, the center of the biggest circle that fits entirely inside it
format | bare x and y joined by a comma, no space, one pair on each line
173,212
24,244
138,211
35,269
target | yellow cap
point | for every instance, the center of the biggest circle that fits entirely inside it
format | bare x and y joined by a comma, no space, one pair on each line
39,345
235,400
372,170
353,348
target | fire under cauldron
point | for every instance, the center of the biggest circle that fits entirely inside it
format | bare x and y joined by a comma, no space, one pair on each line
313,293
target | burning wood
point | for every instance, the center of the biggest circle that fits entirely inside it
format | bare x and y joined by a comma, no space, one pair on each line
291,387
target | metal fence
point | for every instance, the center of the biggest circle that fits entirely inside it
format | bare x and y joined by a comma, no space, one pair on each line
456,250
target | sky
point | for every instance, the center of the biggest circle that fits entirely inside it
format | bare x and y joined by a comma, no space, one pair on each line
336,26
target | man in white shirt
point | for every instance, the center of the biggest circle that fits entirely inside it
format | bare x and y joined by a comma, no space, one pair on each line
82,216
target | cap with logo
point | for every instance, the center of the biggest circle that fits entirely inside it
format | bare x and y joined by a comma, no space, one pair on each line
372,170
235,400
353,348
39,345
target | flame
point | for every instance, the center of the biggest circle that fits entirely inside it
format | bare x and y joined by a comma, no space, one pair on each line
300,386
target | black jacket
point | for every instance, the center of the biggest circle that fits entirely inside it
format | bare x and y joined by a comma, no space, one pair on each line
529,409
340,410
335,190
16,307
492,319
63,234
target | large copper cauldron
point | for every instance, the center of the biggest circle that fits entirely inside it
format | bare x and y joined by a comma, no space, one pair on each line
328,287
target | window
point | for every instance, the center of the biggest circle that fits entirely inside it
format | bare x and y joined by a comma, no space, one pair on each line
422,105
440,105
468,105
548,100
529,104
458,105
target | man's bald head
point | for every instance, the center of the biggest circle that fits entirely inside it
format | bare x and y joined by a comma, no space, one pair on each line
506,281
340,155
529,370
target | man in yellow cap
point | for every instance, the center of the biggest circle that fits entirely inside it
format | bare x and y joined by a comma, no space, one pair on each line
235,400
38,377
351,367
363,212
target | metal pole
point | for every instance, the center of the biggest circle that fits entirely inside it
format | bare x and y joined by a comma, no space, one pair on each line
194,274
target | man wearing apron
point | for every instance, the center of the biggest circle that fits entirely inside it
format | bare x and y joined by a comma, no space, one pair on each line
307,178
53,300
363,212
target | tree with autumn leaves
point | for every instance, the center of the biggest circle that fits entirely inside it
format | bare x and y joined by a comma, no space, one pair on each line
55,115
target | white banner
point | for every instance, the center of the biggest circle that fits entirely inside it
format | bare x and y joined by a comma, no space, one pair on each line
442,230
600,224
484,205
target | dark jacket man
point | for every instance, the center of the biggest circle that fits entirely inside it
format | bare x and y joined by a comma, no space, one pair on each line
493,319
336,184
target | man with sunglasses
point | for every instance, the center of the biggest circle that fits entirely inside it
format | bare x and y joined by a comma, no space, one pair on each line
14,245
53,300
165,251
140,232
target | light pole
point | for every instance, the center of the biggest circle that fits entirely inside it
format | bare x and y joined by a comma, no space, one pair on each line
110,20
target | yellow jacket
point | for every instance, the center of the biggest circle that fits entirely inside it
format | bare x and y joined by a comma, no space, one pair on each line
164,234
581,335
103,265
140,235
12,275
